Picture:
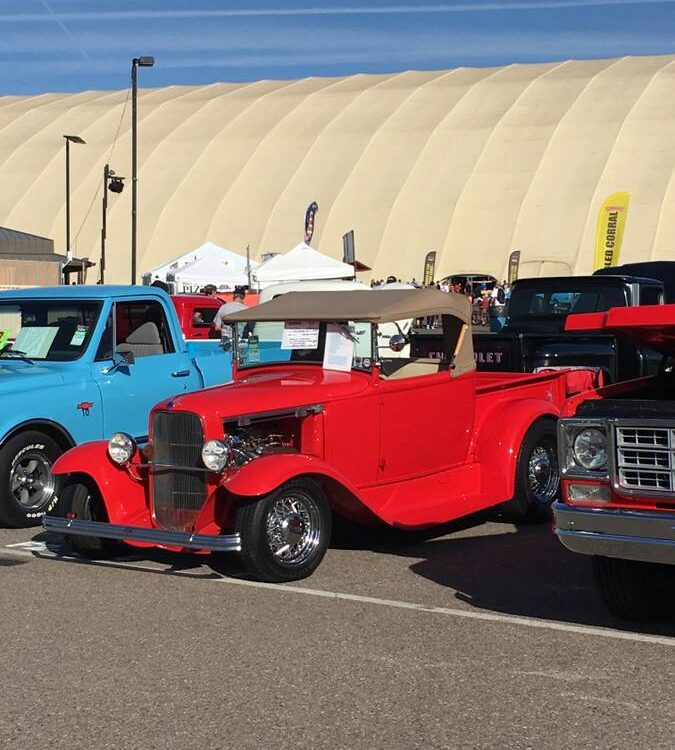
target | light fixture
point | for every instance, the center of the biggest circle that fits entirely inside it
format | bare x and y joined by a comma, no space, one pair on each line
69,139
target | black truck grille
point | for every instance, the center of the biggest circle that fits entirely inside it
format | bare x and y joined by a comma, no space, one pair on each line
178,494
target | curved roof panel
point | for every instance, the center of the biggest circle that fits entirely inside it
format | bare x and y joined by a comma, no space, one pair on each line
472,163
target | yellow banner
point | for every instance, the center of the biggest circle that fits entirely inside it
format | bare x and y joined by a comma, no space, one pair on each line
609,235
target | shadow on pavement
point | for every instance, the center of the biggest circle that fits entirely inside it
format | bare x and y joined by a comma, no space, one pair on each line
522,571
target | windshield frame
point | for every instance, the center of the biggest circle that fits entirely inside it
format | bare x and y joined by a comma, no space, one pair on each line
97,306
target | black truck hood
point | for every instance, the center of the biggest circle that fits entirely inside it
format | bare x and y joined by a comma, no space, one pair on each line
653,326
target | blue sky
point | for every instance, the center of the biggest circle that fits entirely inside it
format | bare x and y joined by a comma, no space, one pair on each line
75,45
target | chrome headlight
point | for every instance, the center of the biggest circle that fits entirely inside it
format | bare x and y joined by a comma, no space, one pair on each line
590,448
215,455
121,447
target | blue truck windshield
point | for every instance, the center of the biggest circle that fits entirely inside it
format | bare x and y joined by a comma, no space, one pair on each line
46,330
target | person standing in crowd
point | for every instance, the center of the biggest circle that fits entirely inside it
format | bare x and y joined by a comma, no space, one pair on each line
210,290
497,307
225,330
161,284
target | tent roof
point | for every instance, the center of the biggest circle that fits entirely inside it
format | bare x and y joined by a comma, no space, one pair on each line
212,270
373,306
205,251
302,262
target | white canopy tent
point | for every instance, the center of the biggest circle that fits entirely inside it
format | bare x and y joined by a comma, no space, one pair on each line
302,263
207,264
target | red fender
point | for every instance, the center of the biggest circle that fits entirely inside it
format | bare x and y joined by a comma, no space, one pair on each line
498,444
124,497
264,474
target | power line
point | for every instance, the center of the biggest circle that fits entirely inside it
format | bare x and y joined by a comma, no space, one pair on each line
110,153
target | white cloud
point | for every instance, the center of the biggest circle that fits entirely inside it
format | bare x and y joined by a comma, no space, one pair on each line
465,7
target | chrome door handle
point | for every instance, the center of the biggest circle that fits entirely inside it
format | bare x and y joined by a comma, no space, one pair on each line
180,374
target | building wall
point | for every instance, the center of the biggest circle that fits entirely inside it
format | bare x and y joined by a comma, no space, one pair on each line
19,273
470,162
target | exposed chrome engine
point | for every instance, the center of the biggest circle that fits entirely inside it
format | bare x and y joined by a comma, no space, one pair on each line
248,443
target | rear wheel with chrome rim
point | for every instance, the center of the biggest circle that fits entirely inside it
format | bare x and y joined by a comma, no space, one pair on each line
285,534
537,474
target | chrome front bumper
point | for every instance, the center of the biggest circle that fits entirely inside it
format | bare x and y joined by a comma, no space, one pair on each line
626,534
220,543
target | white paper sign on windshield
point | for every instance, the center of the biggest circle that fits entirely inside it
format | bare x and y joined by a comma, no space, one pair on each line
35,341
339,351
300,334
79,336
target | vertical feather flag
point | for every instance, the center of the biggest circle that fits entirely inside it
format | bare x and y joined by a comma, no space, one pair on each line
609,234
309,220
514,263
429,268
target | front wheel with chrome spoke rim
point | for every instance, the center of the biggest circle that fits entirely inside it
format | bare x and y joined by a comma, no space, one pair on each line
285,534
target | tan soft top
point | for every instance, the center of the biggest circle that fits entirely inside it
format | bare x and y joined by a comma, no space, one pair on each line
376,306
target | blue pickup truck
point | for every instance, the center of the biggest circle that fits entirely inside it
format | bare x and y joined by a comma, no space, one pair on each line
78,363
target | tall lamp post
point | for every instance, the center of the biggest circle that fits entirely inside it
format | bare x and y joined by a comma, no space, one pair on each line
137,62
69,139
115,184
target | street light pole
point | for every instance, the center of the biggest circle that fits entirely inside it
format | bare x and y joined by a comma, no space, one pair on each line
69,139
116,185
137,62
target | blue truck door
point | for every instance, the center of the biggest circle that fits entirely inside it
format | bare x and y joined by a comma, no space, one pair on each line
160,368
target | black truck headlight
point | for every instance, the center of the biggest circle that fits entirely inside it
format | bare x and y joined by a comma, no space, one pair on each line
121,447
215,455
590,448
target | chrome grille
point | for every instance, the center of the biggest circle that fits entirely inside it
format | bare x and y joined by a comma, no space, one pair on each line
178,494
645,458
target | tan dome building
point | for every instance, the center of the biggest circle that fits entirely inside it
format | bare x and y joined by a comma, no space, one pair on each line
471,162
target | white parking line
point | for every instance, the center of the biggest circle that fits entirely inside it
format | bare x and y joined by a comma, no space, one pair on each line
470,614
29,549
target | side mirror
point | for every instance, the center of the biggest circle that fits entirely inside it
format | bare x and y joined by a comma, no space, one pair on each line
397,342
119,359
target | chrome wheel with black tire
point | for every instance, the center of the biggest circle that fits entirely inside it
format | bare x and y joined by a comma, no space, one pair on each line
537,484
285,534
26,482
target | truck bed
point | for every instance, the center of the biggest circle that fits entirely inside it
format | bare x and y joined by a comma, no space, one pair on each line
561,384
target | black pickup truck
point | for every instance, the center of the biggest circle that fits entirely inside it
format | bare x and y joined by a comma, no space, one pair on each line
534,337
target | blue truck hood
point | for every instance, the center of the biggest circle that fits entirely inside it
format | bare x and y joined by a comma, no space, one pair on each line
17,376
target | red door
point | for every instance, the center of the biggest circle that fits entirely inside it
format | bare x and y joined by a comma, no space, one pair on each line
426,422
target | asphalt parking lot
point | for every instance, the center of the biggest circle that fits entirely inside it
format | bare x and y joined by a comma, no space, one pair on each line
489,636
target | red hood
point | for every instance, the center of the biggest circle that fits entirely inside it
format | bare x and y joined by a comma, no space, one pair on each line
270,389
652,325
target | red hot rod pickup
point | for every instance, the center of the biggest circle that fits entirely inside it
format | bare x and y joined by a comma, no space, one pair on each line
617,454
317,423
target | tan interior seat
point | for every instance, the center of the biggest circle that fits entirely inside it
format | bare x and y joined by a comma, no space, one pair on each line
394,369
143,341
